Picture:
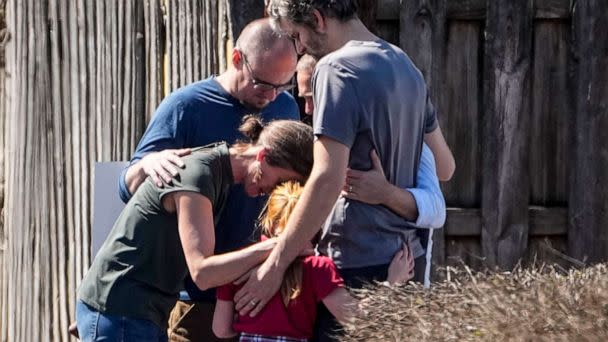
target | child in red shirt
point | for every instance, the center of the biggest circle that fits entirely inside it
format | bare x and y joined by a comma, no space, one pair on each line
290,314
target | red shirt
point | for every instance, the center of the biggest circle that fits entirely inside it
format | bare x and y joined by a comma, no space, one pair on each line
319,279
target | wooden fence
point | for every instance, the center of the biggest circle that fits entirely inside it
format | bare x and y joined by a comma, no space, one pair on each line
521,88
520,85
84,79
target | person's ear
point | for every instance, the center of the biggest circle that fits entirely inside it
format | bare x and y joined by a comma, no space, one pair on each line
237,58
321,25
261,155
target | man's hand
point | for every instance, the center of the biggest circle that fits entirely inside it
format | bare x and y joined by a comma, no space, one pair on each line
262,284
163,164
401,268
367,186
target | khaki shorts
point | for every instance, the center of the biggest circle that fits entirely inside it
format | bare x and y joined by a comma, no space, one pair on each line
191,321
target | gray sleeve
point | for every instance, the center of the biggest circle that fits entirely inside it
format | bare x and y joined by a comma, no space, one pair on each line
195,176
430,115
337,109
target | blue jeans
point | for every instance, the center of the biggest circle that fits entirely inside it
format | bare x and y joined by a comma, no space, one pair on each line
95,326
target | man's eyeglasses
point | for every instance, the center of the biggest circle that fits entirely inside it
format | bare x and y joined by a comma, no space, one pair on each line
265,86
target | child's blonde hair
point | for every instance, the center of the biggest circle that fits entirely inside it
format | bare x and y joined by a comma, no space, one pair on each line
273,219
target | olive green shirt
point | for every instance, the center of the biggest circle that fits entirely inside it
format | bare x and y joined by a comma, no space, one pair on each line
141,267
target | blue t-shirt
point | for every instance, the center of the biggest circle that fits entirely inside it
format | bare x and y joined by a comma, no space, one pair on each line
199,114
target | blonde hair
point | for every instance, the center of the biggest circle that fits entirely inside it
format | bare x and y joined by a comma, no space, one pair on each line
273,219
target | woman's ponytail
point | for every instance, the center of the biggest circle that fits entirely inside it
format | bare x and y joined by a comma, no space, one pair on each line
251,127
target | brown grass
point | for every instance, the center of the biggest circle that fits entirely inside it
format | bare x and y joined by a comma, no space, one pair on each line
541,304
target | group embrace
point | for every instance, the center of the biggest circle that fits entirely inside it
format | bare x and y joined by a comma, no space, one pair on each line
243,223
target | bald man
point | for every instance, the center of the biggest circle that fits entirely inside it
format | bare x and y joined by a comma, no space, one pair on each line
261,70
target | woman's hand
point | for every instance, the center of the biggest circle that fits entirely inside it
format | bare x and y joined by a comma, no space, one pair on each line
367,186
401,268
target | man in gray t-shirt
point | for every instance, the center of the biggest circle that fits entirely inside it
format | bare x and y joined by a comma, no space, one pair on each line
367,95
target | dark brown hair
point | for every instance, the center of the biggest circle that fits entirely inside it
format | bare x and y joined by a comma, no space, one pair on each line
300,11
289,142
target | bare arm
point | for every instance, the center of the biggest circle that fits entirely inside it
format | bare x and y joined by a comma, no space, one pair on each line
196,230
223,318
443,156
423,205
341,304
317,200
372,187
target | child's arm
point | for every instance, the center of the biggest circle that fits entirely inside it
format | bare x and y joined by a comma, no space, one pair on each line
222,319
341,304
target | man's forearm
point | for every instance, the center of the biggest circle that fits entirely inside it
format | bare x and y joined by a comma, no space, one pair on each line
134,177
402,202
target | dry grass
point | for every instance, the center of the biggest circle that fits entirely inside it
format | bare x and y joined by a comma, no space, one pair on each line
542,304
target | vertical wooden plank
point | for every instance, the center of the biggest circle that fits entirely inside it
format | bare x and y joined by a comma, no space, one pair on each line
15,177
170,75
223,34
135,86
36,152
123,73
197,16
13,54
242,12
461,115
460,119
81,169
552,116
422,37
14,59
128,70
3,108
100,80
367,12
182,40
588,216
388,30
213,35
152,56
188,32
57,103
74,170
205,32
505,193
217,34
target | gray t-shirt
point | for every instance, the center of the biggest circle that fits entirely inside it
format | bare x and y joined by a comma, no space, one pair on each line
369,95
141,266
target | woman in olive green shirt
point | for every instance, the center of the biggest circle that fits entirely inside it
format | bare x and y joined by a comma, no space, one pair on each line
166,232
